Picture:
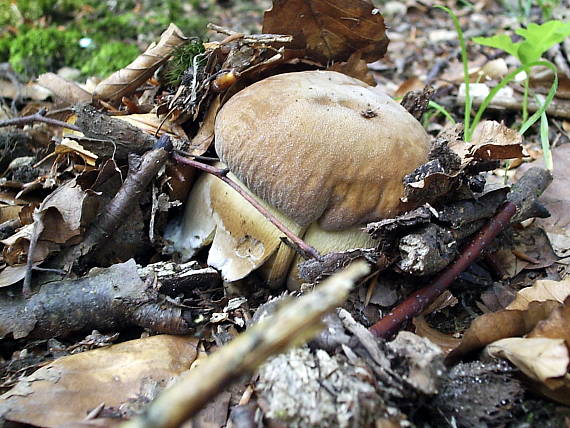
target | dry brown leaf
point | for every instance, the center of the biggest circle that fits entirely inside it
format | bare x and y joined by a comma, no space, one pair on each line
127,80
494,326
9,212
355,67
556,325
32,91
63,89
541,291
493,140
153,125
68,145
205,136
329,30
557,199
65,390
445,341
12,274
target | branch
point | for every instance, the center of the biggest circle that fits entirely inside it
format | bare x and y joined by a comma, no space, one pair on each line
306,250
37,117
522,197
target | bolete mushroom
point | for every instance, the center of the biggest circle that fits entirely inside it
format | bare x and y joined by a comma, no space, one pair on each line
325,151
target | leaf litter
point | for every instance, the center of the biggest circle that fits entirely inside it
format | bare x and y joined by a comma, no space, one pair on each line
79,202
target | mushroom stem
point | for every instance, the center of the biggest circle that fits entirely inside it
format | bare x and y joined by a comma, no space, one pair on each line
301,246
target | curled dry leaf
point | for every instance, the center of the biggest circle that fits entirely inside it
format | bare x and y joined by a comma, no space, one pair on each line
63,89
531,306
127,80
541,291
329,30
493,140
66,390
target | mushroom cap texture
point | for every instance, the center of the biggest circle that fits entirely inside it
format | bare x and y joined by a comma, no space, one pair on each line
320,145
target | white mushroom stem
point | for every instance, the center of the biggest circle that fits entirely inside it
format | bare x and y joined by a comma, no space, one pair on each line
306,250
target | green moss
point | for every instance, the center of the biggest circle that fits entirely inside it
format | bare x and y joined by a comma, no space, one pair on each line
181,61
109,58
38,50
4,49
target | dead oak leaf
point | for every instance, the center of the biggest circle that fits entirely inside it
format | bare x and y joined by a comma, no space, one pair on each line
329,30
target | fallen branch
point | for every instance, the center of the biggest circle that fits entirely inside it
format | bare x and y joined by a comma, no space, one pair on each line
521,198
301,246
106,299
39,116
292,323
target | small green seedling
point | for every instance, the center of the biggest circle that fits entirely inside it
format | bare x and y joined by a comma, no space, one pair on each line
537,40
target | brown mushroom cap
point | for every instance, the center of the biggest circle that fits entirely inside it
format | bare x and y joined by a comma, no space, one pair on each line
319,145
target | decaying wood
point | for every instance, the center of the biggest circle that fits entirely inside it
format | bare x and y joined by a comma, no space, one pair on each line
108,137
141,172
293,323
521,198
417,102
106,299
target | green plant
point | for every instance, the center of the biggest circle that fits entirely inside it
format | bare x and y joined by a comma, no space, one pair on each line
538,39
183,59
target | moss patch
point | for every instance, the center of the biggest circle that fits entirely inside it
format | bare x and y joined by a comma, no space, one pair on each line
110,58
43,49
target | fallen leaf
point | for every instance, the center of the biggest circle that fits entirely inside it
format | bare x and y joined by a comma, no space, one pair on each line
541,291
329,30
205,136
493,140
63,89
125,81
494,326
65,390
539,358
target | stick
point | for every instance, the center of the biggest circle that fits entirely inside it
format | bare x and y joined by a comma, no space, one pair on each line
522,197
37,117
306,250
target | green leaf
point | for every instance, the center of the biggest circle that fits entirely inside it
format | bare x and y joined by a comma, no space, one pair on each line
540,38
500,41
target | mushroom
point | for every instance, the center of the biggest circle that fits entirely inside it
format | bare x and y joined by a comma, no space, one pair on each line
326,152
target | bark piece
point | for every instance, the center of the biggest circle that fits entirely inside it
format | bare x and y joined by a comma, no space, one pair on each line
106,299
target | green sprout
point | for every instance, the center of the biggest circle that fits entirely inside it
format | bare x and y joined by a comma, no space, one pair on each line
538,39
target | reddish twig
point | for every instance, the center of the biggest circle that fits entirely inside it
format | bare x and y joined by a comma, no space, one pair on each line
306,250
37,117
414,304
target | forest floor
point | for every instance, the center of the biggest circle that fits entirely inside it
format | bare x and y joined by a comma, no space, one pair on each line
101,309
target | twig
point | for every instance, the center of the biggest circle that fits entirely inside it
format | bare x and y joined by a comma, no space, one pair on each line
293,323
37,229
306,250
39,116
522,197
